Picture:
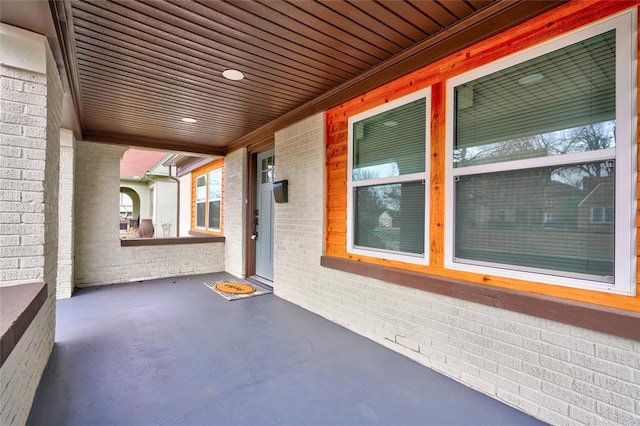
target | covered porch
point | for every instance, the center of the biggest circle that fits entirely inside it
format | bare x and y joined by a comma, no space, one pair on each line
172,351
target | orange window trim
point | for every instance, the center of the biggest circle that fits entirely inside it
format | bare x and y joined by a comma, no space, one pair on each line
545,27
204,170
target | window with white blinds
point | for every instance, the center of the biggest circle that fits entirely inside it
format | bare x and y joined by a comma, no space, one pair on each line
214,199
201,200
387,198
542,162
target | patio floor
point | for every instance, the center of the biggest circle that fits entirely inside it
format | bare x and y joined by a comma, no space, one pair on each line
172,351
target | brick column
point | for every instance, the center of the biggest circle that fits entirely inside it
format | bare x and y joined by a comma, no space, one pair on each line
31,95
235,182
65,217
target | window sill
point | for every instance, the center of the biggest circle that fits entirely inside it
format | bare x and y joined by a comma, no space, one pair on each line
196,239
617,322
19,305
204,234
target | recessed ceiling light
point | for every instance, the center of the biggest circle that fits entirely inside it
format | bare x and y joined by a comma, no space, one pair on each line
189,120
531,78
232,75
390,123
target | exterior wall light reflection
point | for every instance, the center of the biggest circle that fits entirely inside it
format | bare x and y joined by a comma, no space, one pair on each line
189,120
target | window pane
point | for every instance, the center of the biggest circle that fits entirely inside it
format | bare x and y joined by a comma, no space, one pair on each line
391,217
404,129
200,208
539,218
214,215
201,191
557,103
215,184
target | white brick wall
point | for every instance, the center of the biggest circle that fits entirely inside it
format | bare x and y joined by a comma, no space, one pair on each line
558,373
235,195
99,258
185,205
22,370
65,217
31,103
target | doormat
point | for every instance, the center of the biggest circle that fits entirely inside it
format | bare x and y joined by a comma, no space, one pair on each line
237,289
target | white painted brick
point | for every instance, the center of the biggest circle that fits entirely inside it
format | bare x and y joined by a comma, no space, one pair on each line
6,195
39,89
9,240
39,111
608,368
10,218
619,356
557,339
22,119
34,132
32,196
9,151
543,348
12,107
544,400
32,217
24,98
588,417
10,129
608,397
632,390
618,416
6,173
30,240
11,84
22,142
9,263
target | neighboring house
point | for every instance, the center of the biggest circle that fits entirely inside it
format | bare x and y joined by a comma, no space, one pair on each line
597,208
477,284
145,180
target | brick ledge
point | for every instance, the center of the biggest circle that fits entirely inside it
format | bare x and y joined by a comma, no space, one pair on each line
170,241
19,305
618,322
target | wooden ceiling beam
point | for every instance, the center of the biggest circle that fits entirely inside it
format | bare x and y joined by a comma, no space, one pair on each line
146,142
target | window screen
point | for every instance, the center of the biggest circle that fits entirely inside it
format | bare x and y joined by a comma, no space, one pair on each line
201,198
387,182
540,219
559,103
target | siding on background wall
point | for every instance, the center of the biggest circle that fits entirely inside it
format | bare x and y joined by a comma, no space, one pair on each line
552,24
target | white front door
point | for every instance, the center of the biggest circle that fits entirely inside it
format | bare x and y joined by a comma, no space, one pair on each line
264,214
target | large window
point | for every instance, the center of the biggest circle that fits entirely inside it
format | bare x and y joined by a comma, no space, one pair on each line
201,200
215,196
542,162
387,201
208,200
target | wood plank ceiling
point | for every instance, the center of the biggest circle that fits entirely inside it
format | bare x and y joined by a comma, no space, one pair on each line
136,68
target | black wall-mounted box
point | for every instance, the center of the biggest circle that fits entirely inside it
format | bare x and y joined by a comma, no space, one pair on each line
280,191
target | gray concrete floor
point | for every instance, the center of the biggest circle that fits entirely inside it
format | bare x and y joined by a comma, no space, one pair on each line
172,351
